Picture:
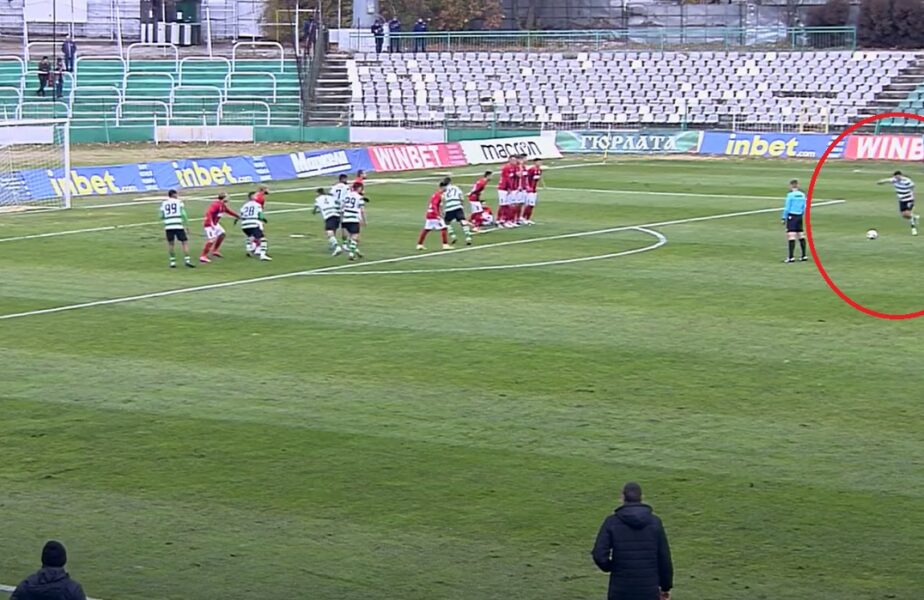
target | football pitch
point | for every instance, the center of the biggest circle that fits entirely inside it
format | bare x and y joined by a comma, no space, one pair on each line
456,424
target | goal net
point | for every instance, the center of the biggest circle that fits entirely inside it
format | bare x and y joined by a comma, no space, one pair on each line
34,165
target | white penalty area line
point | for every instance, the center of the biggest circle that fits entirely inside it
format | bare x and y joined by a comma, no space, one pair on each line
397,259
10,589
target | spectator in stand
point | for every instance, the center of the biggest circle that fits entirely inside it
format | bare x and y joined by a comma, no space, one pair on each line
58,76
310,34
378,32
632,547
51,582
69,50
394,26
420,44
44,70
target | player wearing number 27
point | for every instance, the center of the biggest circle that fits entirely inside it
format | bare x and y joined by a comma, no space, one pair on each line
176,227
904,190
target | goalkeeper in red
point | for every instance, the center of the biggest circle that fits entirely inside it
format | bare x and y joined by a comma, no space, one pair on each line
214,232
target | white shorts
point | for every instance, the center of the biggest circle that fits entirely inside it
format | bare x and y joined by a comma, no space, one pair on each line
475,207
517,197
434,224
213,232
503,197
531,198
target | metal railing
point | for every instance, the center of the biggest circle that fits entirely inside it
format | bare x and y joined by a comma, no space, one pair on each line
253,46
248,116
231,77
654,38
165,46
826,119
146,75
144,119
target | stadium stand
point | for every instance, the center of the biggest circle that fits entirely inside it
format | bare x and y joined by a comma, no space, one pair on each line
697,89
193,90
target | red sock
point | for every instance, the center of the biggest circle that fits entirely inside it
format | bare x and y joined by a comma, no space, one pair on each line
502,212
422,237
443,235
529,213
476,219
519,212
217,243
205,251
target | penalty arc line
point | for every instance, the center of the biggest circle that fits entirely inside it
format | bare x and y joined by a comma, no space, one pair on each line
397,259
660,240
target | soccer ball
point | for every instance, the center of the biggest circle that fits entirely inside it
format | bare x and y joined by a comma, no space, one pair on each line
872,234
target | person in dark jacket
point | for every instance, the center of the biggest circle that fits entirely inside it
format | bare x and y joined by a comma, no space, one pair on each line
310,34
58,76
420,44
51,582
632,547
394,42
69,50
44,71
378,32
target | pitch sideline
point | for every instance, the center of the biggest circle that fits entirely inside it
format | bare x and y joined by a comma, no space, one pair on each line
397,259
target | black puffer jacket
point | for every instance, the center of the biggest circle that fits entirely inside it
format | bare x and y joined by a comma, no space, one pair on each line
632,547
49,583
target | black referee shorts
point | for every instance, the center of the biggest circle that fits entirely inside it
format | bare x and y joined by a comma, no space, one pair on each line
794,224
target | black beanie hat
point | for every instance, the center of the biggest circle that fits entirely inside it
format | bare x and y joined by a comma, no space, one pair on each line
54,554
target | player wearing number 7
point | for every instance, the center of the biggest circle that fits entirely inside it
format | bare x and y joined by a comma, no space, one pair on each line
173,215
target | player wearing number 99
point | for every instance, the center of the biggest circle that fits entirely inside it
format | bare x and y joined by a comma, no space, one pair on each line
252,221
173,215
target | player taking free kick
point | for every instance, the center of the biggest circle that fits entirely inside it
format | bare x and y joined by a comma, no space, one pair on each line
433,220
214,232
904,190
176,227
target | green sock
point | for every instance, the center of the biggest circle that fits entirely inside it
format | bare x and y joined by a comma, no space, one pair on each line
467,231
353,246
332,243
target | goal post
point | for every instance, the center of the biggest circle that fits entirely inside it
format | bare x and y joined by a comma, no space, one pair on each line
35,164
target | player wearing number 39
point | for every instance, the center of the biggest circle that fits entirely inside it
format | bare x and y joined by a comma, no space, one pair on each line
793,212
252,221
176,222
904,189
214,232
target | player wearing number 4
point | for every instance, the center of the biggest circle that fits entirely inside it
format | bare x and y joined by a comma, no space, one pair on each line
904,189
176,227
252,222
214,232
793,212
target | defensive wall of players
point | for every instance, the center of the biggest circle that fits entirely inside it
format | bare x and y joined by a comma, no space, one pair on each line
209,172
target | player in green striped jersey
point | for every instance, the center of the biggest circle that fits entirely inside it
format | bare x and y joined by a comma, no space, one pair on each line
352,217
176,227
252,221
329,207
453,211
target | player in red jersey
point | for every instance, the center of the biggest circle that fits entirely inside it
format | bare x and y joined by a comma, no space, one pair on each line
519,198
505,187
360,178
533,175
433,220
214,232
260,196
476,208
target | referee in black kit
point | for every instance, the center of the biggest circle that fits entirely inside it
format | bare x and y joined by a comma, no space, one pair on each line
793,213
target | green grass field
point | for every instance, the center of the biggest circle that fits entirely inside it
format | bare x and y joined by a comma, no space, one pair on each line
461,434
